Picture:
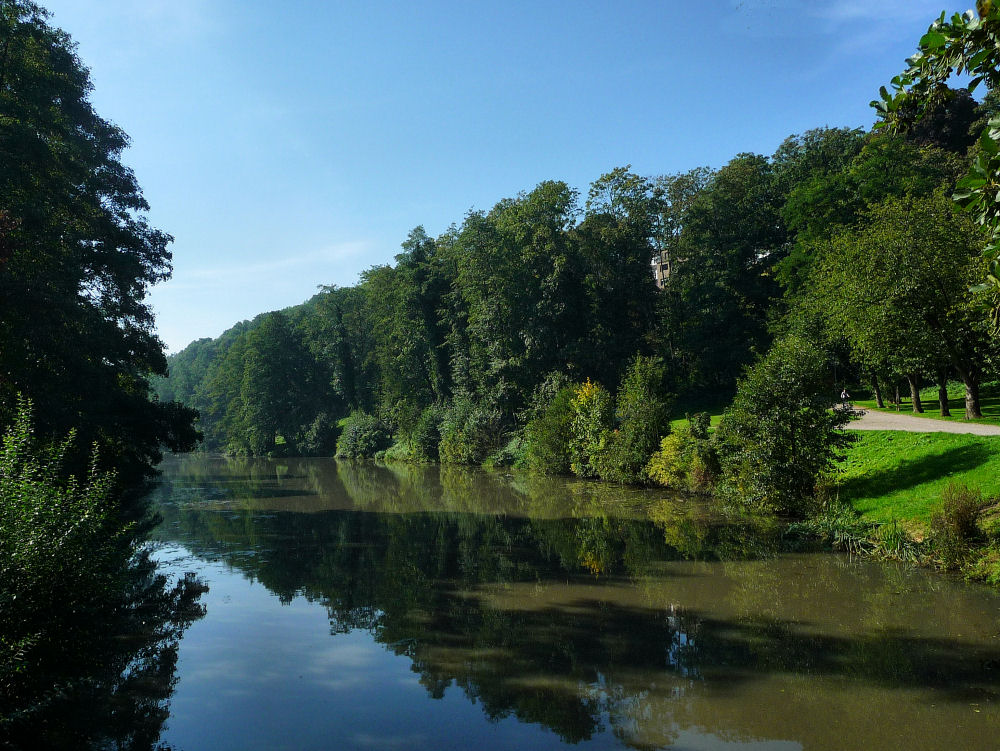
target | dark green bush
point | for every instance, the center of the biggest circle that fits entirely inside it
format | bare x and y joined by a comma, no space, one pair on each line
512,454
426,435
470,432
364,436
320,438
642,412
956,526
61,547
549,435
779,437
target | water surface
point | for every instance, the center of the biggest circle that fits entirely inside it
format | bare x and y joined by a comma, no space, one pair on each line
355,607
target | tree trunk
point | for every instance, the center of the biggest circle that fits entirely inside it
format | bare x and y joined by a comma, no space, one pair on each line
878,392
972,410
896,402
943,393
918,408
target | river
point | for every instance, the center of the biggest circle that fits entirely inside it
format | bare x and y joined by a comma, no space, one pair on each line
352,606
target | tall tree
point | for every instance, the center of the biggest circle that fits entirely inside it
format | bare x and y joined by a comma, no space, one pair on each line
969,44
518,280
618,237
77,258
899,287
718,299
825,203
402,305
675,194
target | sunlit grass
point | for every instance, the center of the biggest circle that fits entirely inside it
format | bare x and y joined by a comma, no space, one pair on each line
891,475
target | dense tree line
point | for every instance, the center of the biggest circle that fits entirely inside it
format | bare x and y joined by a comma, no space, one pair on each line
493,340
541,288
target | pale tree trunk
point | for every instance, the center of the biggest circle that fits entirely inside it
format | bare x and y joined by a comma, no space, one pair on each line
972,409
971,381
918,407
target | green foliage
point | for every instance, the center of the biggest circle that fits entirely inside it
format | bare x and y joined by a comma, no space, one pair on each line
470,432
512,454
687,458
831,201
320,438
642,416
272,388
363,436
956,526
398,452
60,544
622,229
593,419
779,436
550,435
963,44
401,305
426,436
88,629
714,310
77,258
896,289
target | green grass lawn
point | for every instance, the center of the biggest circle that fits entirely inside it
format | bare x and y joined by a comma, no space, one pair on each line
989,398
674,424
894,475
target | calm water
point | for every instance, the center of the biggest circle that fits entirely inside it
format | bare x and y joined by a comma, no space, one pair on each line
359,607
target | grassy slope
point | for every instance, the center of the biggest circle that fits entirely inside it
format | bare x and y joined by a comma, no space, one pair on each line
893,475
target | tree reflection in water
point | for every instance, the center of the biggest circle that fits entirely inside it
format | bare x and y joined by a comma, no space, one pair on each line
108,683
587,608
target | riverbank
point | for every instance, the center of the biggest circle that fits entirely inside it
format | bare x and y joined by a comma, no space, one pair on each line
890,475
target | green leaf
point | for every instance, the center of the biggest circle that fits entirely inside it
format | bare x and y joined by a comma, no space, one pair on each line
933,40
977,59
971,182
988,144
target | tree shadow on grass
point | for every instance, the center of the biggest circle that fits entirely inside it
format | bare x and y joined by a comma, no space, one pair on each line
913,472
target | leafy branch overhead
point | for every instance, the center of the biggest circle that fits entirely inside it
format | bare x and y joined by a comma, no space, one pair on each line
964,44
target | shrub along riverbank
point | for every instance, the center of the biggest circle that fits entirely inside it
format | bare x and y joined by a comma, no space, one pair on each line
922,497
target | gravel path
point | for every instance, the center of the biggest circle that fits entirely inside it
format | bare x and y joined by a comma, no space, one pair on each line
875,420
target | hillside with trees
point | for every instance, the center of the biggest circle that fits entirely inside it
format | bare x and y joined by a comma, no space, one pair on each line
479,343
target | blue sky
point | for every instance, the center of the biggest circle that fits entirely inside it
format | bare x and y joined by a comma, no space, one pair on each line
288,145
